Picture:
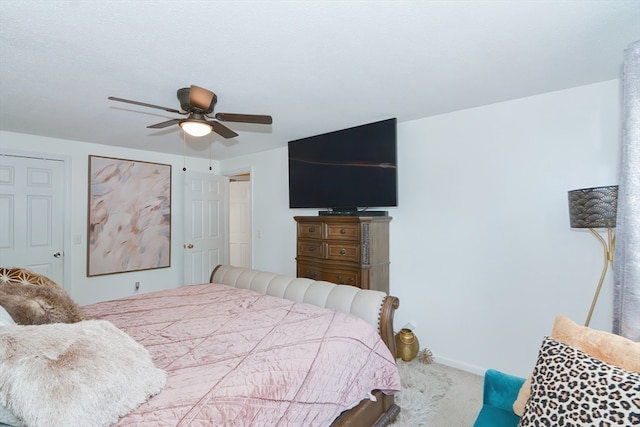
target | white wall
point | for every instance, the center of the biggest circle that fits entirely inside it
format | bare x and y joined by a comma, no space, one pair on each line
482,256
83,289
484,210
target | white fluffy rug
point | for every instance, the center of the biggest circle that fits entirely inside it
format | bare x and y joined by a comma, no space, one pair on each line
423,386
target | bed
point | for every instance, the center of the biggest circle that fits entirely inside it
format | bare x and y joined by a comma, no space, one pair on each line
258,348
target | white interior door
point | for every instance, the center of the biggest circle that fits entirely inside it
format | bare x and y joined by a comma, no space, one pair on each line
206,223
240,223
32,215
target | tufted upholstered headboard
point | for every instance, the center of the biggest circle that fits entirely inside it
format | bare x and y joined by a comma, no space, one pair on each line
374,307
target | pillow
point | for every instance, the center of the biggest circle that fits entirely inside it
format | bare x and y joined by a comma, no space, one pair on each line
37,304
610,348
78,374
6,416
22,275
571,388
5,317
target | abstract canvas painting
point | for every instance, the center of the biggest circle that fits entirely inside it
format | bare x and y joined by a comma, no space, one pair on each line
129,216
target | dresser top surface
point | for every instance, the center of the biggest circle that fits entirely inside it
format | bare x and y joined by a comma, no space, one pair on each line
342,218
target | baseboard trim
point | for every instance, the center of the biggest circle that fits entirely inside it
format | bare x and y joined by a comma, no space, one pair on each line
474,369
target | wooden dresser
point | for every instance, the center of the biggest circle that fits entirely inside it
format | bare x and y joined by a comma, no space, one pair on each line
350,250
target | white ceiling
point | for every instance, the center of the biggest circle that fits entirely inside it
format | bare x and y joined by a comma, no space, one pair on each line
315,66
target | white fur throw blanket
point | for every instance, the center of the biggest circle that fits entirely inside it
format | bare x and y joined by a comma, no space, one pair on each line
81,374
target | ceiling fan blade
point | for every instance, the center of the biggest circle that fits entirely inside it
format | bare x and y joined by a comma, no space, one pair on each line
245,118
144,104
222,130
165,124
202,98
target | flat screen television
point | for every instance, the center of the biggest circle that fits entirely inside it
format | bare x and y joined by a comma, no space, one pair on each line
345,171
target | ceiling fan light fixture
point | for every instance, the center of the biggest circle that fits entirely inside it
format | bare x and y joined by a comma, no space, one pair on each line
195,128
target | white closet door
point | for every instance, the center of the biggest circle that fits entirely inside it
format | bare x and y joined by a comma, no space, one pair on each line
32,215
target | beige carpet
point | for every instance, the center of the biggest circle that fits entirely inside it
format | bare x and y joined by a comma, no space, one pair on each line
436,395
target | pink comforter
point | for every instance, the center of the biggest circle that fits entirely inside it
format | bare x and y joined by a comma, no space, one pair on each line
239,358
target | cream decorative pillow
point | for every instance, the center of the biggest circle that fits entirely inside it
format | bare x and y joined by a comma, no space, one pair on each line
571,388
607,347
88,373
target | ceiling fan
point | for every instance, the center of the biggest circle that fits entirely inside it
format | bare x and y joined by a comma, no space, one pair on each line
197,104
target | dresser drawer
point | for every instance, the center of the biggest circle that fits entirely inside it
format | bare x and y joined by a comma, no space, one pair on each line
310,230
308,271
343,251
311,248
343,232
328,273
342,277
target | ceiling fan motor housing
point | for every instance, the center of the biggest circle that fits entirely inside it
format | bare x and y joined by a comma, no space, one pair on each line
184,96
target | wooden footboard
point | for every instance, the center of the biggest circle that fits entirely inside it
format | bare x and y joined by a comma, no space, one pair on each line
369,413
383,411
375,307
387,314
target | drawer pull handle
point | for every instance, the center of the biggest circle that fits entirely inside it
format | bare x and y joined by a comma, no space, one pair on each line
311,249
311,229
343,251
343,231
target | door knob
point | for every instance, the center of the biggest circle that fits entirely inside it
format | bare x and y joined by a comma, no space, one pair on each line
57,255
189,246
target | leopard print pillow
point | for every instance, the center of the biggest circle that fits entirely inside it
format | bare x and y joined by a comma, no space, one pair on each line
570,388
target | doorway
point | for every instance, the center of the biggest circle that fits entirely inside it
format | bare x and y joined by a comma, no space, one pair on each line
240,252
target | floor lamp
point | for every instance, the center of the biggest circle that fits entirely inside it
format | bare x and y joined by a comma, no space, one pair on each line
596,208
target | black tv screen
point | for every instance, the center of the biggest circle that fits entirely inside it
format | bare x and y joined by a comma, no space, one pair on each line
348,169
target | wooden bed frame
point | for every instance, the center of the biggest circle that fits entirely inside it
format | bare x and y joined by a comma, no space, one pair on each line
375,307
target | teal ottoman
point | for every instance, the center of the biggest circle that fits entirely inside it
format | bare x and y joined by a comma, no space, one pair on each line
500,390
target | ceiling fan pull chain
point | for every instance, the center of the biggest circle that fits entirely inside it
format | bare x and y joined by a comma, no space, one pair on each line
184,150
210,153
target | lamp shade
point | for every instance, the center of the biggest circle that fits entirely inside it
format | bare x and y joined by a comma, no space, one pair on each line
593,207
